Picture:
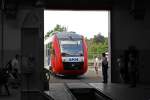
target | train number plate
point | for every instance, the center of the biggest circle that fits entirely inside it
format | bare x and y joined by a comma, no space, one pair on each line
73,59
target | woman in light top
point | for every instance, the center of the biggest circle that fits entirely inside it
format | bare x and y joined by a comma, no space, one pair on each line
96,64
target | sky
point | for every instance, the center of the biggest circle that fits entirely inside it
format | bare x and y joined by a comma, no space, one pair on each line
86,23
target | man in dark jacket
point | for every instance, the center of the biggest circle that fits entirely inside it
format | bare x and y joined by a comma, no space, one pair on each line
104,67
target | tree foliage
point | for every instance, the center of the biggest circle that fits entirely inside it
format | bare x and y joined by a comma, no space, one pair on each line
99,38
97,45
57,28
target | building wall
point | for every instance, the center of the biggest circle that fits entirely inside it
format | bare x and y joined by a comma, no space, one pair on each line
26,18
128,31
11,39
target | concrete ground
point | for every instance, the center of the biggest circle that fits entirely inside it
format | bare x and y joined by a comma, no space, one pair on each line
124,92
89,77
114,91
58,91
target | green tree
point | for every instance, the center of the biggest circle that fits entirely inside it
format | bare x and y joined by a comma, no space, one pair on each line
50,32
57,28
98,45
98,38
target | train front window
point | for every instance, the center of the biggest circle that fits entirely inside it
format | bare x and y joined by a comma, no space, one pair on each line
73,48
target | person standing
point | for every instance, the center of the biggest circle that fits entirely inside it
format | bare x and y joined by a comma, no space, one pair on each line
15,66
96,64
121,68
133,65
104,67
4,75
16,72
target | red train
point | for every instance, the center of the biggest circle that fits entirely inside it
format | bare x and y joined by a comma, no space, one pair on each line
67,53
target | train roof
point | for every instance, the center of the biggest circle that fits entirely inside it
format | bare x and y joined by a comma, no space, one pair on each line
64,35
68,35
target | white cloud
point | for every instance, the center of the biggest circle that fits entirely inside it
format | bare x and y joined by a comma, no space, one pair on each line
87,23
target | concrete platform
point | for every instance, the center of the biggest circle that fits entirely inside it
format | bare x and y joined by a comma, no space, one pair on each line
123,92
58,91
78,85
